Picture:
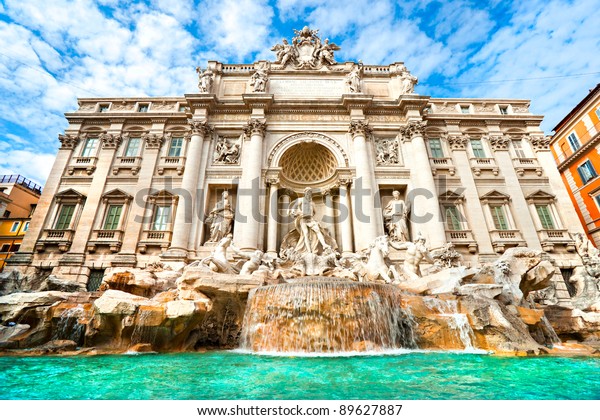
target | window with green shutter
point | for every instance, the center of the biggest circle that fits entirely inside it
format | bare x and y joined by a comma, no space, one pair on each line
162,218
499,217
543,212
435,147
453,218
133,146
477,147
112,217
64,216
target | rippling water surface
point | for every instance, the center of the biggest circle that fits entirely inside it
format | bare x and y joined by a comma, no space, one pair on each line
232,375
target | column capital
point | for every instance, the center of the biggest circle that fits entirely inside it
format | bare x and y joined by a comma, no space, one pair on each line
153,141
499,142
110,141
200,127
539,143
255,127
359,128
458,142
272,180
69,141
413,129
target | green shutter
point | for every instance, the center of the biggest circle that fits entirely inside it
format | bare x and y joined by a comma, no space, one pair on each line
64,217
453,218
436,148
499,218
112,217
545,217
477,148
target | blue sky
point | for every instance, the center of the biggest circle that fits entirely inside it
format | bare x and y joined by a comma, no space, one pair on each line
53,51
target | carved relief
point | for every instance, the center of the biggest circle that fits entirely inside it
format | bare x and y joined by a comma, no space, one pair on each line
69,141
227,151
387,152
306,51
255,127
499,142
413,129
110,141
360,127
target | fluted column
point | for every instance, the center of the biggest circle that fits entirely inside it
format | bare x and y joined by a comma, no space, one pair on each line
110,143
39,218
345,216
189,189
328,214
248,217
425,212
368,220
272,217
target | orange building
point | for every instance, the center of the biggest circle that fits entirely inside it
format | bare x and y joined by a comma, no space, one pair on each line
18,199
576,148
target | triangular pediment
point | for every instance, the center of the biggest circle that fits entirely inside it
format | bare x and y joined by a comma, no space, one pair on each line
70,193
116,194
540,195
495,195
450,196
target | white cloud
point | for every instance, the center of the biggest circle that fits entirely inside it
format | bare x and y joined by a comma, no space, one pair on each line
33,165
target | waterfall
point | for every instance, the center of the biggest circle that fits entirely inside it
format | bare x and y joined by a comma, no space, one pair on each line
325,315
68,326
142,332
459,322
549,332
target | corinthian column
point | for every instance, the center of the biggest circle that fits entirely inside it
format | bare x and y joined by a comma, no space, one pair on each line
368,221
189,188
272,217
425,214
248,216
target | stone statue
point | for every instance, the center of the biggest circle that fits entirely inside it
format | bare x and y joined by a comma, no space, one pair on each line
353,79
254,260
308,228
447,257
205,80
416,252
258,81
376,265
220,219
285,52
325,52
395,215
227,151
407,82
218,262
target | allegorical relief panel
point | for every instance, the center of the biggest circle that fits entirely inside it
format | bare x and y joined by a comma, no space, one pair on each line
387,151
227,151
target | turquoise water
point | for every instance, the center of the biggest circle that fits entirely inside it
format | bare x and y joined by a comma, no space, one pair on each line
230,375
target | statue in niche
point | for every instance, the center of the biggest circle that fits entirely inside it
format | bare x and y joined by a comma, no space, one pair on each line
387,152
395,215
308,236
205,80
220,219
227,151
259,79
407,82
416,252
353,78
325,52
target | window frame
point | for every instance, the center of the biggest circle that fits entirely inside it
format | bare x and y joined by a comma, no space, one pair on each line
545,218
61,225
591,170
143,107
115,217
179,148
482,148
519,152
26,226
91,151
432,150
102,108
571,138
15,227
126,152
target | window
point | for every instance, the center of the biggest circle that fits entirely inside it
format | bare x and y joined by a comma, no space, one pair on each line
15,227
175,147
499,217
598,113
14,247
503,109
89,147
477,147
113,215
143,107
162,218
465,109
586,171
26,227
543,212
95,280
574,141
133,146
182,108
435,148
64,217
103,108
5,248
518,148
6,214
453,217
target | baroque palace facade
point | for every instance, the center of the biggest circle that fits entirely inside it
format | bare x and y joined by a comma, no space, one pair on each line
142,180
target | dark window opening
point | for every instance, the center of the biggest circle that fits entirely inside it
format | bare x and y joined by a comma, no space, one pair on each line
95,280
